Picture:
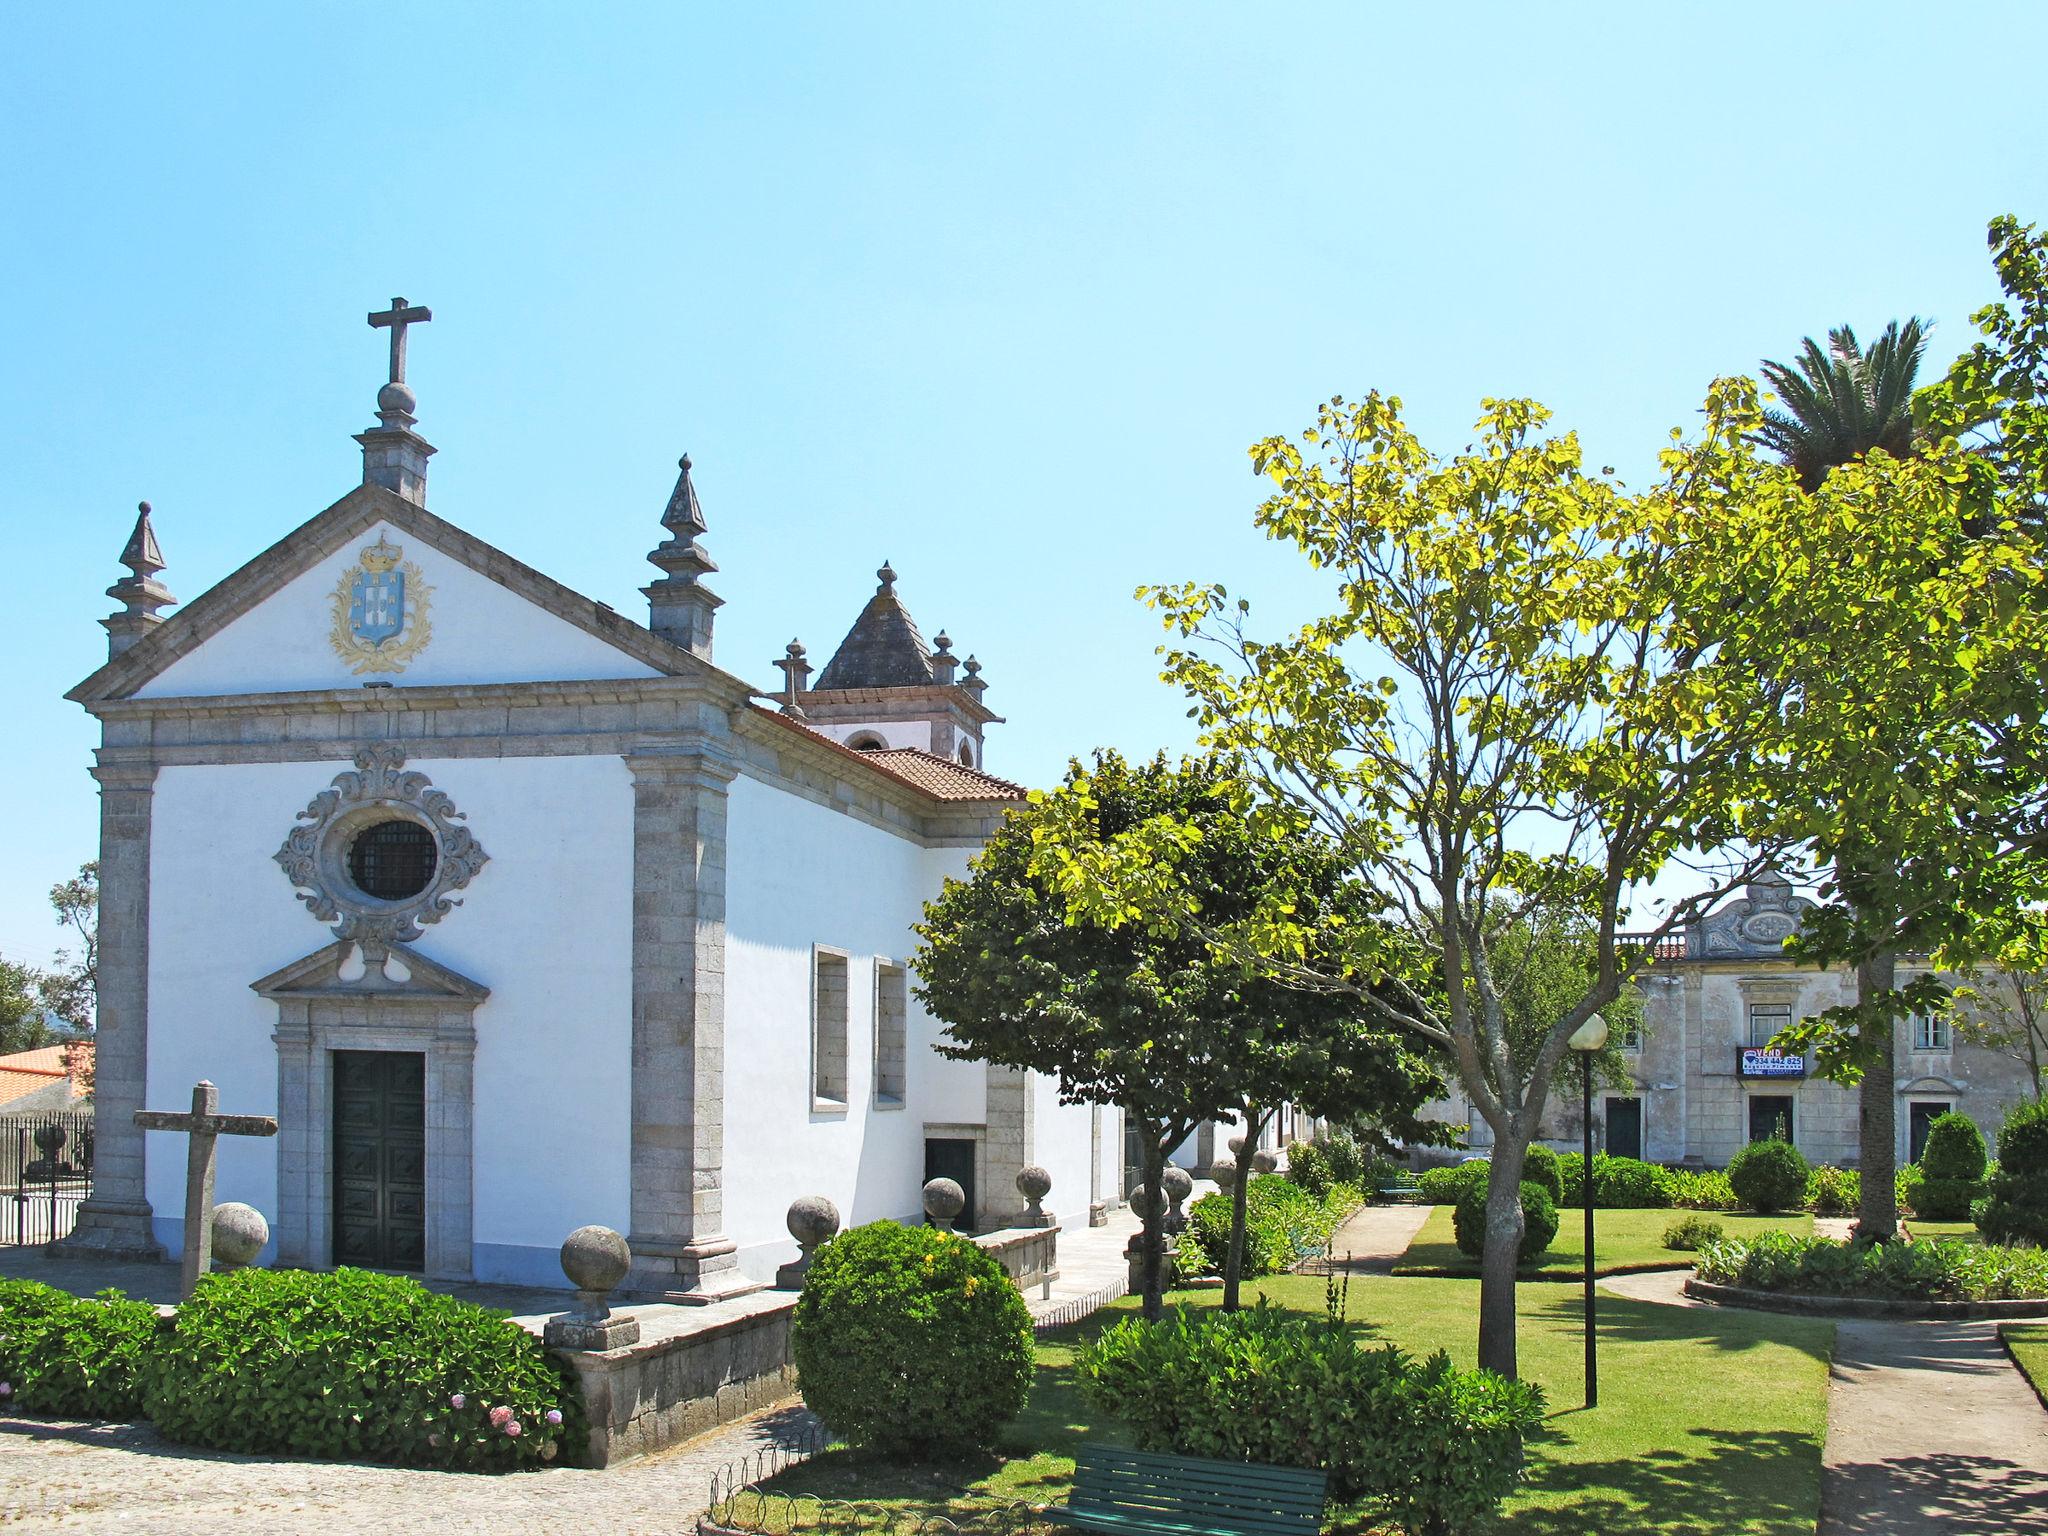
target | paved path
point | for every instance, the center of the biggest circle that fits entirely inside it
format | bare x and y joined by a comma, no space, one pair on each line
125,1477
1375,1236
1931,1429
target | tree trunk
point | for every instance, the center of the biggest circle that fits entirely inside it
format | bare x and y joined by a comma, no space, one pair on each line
1877,1211
1233,1261
1502,1253
1155,1223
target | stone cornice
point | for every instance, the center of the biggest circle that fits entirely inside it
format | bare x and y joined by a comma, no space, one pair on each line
331,530
941,696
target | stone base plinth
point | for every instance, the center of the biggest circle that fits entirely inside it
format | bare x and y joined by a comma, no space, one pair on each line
614,1332
106,1230
695,1274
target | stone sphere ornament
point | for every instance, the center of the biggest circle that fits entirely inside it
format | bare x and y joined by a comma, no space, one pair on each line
1265,1161
1034,1184
1236,1145
239,1233
1225,1175
811,1220
595,1259
943,1202
1176,1184
1141,1204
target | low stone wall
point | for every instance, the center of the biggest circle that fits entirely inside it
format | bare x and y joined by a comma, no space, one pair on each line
698,1367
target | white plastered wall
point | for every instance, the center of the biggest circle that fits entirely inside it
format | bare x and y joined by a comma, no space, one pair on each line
546,925
480,633
894,733
798,875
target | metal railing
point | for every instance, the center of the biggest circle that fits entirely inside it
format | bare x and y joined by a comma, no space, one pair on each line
45,1175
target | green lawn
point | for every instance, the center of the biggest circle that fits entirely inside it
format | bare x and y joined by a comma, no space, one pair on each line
1622,1241
2029,1345
1966,1230
1710,1422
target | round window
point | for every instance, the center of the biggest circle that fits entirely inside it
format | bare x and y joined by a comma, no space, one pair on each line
393,860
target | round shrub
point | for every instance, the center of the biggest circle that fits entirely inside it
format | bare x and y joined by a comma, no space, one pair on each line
1539,1221
1619,1183
69,1357
1689,1234
1308,1166
1443,1186
1541,1167
1834,1191
358,1366
1346,1158
1954,1150
911,1342
1945,1199
2015,1206
1769,1176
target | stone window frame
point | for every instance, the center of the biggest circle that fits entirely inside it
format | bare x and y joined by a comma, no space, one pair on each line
867,741
892,1029
1932,1034
311,1027
1766,1004
838,1044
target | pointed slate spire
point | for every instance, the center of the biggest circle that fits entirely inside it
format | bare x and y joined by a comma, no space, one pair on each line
883,649
679,605
139,591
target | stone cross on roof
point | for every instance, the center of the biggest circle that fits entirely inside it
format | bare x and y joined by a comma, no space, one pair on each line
396,319
203,1125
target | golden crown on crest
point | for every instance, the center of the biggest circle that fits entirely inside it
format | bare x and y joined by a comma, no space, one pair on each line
381,556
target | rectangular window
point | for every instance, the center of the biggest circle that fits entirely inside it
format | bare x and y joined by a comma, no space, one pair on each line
1930,1034
1629,1037
892,1009
1766,1019
828,1029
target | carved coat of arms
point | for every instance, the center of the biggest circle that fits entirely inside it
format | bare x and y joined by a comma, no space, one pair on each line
380,610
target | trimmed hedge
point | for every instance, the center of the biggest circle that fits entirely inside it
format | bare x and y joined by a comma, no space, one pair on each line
72,1358
2015,1208
1539,1221
911,1342
1834,1191
1283,1224
1707,1190
1443,1186
1541,1167
1619,1183
1943,1270
358,1366
1769,1176
1435,1447
1689,1234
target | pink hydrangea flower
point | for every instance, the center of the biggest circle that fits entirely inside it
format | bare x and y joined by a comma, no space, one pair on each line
434,1441
500,1416
512,1428
554,1415
457,1400
6,1389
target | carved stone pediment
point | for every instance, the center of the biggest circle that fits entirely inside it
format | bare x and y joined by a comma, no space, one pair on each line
350,969
1756,925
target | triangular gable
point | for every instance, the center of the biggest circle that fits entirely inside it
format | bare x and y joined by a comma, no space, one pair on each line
342,968
169,660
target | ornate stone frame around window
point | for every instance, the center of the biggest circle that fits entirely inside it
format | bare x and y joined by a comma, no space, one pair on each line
350,998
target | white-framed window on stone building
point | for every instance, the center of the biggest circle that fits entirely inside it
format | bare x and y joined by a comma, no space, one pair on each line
828,1028
1766,1019
1629,1037
892,1033
1930,1033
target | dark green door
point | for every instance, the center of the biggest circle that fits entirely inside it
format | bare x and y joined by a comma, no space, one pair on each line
952,1157
380,1159
1920,1118
1625,1127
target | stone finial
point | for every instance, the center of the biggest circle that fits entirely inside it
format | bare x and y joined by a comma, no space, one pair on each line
796,677
812,1219
1176,1184
1034,1184
395,456
139,591
1225,1175
679,605
1236,1145
595,1259
239,1233
973,683
943,1200
887,577
945,665
1265,1160
1141,1203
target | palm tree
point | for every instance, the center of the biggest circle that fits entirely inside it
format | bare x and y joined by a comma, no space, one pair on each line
1841,403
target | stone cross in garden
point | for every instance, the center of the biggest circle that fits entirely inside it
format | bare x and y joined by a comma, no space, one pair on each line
202,1125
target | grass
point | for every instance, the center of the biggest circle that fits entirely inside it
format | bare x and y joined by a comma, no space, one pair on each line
1710,1422
1966,1230
1623,1241
2027,1343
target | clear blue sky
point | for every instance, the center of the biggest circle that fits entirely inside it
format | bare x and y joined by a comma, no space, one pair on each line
998,293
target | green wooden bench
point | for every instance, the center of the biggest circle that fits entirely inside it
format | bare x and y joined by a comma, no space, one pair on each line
1135,1491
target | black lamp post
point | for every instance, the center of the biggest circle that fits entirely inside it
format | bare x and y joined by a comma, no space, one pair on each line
1589,1039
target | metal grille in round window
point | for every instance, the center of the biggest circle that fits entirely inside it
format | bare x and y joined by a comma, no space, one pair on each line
392,860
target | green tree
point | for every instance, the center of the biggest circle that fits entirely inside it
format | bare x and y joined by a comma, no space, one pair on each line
22,1026
1844,402
2003,1007
1496,715
71,991
1145,1014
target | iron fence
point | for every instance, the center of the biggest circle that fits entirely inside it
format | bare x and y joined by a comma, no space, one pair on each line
45,1175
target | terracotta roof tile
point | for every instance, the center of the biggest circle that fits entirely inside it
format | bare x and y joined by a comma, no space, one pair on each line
47,1059
922,771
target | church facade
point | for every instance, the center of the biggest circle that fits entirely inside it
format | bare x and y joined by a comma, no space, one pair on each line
520,915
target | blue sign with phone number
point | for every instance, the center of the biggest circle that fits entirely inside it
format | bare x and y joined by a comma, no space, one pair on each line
1762,1061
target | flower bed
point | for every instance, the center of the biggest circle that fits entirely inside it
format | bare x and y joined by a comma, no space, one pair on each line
1937,1271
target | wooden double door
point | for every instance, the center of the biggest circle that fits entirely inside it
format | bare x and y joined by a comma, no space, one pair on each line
380,1159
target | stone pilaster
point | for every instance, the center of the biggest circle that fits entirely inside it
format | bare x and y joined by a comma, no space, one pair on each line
115,1221
1011,1145
680,1250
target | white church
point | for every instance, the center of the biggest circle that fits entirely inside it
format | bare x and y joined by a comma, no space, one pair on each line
520,915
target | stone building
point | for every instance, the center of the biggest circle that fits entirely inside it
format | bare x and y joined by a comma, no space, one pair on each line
520,915
1706,1080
